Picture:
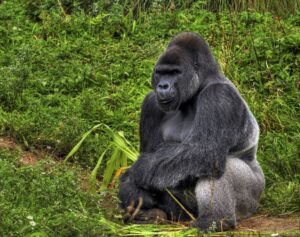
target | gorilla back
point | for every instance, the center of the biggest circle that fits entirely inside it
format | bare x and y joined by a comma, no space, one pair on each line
198,140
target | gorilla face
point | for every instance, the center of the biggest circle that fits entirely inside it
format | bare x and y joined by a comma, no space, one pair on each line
174,79
186,65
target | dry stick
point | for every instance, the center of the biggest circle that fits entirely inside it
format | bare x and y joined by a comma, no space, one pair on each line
212,189
130,208
138,208
179,203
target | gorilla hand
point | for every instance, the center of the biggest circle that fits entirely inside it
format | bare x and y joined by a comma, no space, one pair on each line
143,170
131,195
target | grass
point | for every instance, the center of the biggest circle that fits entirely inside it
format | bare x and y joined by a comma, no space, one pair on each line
45,200
50,198
62,73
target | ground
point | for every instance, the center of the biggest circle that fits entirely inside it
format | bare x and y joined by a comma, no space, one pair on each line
269,223
257,223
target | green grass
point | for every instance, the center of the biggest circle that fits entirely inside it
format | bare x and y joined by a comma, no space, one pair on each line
50,198
63,73
45,199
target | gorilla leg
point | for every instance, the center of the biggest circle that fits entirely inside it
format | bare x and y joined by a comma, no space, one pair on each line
235,195
216,205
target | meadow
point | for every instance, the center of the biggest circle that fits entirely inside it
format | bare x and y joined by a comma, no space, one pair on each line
68,66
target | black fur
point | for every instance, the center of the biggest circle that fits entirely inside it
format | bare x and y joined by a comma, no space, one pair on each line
191,123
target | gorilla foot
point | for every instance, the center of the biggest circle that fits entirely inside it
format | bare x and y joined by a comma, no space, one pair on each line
207,224
150,216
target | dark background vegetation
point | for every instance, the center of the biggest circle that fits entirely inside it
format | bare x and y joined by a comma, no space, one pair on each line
68,65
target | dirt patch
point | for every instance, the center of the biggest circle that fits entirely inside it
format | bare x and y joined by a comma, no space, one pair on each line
27,158
7,143
266,223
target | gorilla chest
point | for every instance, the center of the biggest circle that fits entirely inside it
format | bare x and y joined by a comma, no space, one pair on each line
177,125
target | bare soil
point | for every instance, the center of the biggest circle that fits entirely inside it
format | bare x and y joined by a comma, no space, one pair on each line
256,223
261,223
27,157
7,143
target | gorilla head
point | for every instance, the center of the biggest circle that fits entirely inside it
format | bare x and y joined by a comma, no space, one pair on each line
182,70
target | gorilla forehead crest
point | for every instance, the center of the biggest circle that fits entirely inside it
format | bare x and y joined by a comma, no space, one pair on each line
182,69
173,56
194,47
190,42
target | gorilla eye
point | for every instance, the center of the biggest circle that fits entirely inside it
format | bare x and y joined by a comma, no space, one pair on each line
171,72
174,72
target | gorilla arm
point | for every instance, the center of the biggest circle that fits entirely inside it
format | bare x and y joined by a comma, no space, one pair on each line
150,138
151,118
218,125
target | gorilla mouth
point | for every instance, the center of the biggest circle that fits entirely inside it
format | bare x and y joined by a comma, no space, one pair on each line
166,101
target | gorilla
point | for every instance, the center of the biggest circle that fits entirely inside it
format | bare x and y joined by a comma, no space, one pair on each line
198,141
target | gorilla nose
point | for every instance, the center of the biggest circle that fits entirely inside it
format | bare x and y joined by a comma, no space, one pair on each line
163,87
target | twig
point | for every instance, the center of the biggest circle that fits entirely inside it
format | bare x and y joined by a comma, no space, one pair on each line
138,208
182,207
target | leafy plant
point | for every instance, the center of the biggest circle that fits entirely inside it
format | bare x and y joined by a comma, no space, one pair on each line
122,150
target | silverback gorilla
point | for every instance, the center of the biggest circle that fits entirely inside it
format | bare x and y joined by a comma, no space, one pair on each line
198,141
